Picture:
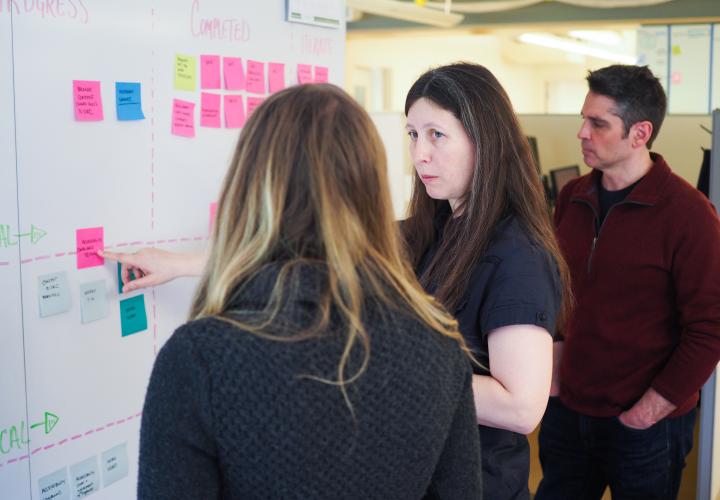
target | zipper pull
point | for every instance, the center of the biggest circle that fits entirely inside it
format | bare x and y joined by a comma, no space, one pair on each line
592,249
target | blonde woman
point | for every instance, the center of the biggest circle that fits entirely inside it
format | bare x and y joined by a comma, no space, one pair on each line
313,365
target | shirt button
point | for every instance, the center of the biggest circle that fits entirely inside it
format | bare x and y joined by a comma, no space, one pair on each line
542,317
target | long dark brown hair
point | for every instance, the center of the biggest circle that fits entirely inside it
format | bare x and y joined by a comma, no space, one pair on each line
505,180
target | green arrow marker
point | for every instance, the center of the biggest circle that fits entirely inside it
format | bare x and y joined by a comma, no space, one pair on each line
50,422
35,234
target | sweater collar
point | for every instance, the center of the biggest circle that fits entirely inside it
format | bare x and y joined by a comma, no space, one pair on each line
647,192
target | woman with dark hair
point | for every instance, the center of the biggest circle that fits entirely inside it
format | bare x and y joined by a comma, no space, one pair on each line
314,365
481,241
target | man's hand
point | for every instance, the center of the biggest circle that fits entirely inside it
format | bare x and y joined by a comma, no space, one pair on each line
648,410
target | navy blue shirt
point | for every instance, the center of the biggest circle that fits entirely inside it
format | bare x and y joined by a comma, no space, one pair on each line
516,282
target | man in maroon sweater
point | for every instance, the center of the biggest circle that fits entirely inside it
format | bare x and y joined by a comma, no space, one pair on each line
643,248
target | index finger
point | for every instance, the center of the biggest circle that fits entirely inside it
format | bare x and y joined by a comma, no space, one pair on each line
122,258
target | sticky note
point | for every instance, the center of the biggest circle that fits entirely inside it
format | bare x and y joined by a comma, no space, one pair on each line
213,213
88,242
234,111
276,76
114,464
185,72
183,118
253,102
321,74
676,50
93,301
84,478
53,294
304,73
127,101
132,315
88,101
54,486
234,74
209,110
210,72
255,77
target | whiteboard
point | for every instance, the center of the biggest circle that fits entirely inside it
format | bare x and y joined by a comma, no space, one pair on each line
652,50
715,64
689,68
72,384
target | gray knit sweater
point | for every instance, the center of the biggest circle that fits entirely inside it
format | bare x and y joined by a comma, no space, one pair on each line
231,415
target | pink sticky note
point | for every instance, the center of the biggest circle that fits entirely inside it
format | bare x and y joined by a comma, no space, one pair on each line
321,74
276,76
234,111
213,212
210,72
234,74
304,73
255,77
88,242
88,101
253,102
183,119
209,110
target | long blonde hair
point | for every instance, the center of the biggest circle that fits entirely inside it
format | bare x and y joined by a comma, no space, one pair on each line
308,185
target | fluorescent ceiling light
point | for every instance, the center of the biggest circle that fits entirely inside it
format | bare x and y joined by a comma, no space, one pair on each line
597,36
564,44
406,11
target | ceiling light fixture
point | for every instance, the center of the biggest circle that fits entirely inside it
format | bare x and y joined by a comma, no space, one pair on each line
408,11
566,45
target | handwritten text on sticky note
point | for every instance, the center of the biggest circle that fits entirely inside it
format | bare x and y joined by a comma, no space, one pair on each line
210,72
88,242
185,72
233,73
88,101
234,111
255,77
183,118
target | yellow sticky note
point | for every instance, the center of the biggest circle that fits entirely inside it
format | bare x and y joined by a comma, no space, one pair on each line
185,72
676,50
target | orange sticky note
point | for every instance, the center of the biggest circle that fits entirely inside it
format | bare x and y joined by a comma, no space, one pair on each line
253,102
234,74
88,101
276,76
321,74
304,73
255,77
183,119
234,111
209,110
88,242
210,72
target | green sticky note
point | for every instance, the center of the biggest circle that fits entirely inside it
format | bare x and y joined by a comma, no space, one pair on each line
132,315
185,72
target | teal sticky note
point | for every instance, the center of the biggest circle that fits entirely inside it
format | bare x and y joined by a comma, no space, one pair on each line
53,294
120,282
128,102
54,486
114,464
93,301
132,315
84,478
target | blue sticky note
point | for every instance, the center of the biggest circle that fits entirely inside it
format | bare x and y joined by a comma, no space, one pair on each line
53,294
84,478
93,301
128,102
114,464
54,486
132,315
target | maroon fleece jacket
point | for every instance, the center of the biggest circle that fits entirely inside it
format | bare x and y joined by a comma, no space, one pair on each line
647,291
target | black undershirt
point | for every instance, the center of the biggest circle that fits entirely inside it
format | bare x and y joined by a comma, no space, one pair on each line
609,198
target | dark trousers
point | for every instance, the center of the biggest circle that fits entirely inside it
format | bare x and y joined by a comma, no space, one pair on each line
581,455
505,464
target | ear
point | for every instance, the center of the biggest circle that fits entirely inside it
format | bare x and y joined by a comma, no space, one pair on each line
640,133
